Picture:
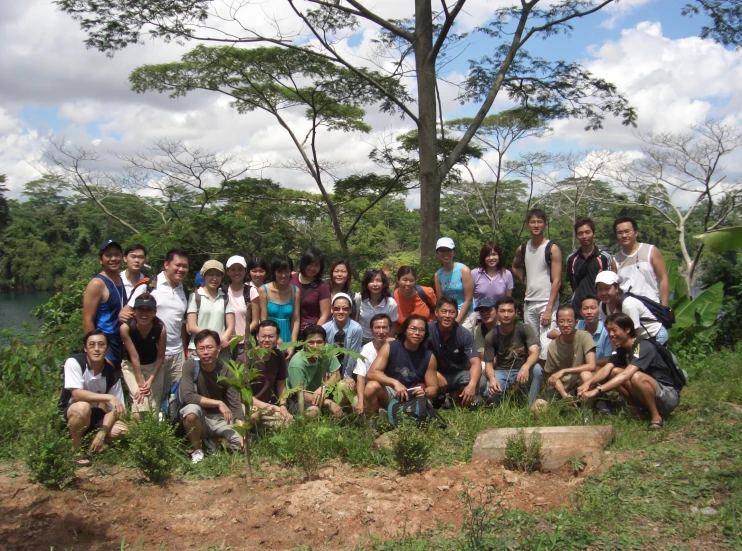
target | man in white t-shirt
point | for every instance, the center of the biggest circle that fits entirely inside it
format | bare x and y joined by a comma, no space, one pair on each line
135,256
92,398
381,325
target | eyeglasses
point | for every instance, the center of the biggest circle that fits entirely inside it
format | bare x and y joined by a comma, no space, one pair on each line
208,348
624,232
416,329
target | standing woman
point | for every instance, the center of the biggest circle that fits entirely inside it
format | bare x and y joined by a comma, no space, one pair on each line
375,299
412,298
454,279
314,292
340,274
491,278
257,269
245,302
279,301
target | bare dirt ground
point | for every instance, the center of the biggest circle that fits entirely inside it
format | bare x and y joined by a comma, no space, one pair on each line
340,510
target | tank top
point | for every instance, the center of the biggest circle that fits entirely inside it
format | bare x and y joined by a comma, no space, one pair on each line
147,345
452,284
107,316
636,274
406,366
281,313
538,275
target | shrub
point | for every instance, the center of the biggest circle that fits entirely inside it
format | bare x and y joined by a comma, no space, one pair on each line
48,450
524,453
154,447
14,410
411,448
31,369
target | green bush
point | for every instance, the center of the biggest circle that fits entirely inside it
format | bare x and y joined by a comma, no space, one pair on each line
14,410
31,369
524,453
154,448
411,447
48,449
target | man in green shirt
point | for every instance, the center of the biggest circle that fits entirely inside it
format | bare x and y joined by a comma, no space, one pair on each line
314,373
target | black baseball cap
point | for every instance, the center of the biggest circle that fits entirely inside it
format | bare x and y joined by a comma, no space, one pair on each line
486,302
107,243
145,302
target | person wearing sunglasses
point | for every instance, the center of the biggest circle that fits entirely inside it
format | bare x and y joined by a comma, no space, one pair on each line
345,333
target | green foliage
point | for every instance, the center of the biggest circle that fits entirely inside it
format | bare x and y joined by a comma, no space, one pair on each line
32,369
61,316
524,453
480,505
411,447
722,240
304,443
47,447
154,448
13,420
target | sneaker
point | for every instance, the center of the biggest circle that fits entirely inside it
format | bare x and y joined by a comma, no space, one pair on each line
601,407
197,456
478,401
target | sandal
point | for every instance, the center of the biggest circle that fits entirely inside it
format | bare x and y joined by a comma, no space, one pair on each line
656,425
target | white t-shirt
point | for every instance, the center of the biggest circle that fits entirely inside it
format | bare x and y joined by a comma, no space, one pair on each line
128,287
362,366
387,306
237,299
171,309
74,379
645,323
211,314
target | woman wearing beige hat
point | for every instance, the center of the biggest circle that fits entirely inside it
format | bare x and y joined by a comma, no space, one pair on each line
209,308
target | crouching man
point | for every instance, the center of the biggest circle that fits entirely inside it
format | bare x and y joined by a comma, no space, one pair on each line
92,399
403,368
637,371
211,406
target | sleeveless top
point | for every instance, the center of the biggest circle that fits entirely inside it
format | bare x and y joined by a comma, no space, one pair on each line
406,366
635,272
107,316
452,284
146,346
538,274
281,313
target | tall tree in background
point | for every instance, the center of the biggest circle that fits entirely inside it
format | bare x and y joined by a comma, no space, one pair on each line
415,46
4,208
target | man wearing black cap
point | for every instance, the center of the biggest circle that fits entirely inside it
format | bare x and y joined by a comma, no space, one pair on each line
145,341
104,298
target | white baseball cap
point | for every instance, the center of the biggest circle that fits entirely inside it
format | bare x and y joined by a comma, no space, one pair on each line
606,276
237,259
445,242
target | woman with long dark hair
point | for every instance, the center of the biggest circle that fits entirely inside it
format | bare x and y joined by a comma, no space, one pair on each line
375,299
314,293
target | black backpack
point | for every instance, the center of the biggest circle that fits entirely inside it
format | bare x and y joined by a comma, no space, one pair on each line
679,376
109,372
419,408
424,298
662,313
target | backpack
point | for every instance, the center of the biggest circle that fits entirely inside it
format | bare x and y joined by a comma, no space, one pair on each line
419,408
662,313
679,376
108,371
173,402
582,272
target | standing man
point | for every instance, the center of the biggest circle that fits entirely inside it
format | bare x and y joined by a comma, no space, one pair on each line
459,366
104,298
640,266
538,264
511,355
585,263
381,326
134,257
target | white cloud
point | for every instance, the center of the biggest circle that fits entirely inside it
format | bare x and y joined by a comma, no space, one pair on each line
620,9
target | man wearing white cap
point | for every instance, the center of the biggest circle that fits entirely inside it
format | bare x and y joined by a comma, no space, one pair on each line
245,302
209,308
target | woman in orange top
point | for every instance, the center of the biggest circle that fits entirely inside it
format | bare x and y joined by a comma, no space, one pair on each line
409,297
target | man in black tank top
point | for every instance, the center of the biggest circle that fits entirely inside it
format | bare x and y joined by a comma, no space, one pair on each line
403,368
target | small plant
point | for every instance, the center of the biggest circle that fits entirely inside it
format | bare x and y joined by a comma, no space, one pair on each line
524,453
479,508
304,438
155,449
411,448
49,454
578,465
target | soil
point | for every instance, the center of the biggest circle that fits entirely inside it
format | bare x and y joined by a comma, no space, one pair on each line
341,509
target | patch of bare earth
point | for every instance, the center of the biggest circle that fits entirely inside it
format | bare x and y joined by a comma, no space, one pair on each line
338,511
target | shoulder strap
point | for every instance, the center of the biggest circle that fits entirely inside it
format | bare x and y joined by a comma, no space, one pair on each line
523,249
424,297
198,301
312,286
547,252
196,372
521,329
111,377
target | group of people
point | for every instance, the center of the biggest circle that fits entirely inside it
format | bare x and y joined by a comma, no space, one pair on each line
459,342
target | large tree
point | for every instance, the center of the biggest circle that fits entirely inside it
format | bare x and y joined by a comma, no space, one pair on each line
414,46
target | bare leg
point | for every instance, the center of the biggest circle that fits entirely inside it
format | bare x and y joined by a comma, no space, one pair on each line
78,421
643,388
193,428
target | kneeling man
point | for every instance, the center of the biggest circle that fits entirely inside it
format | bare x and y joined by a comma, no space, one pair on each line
402,368
92,399
637,371
211,406
570,359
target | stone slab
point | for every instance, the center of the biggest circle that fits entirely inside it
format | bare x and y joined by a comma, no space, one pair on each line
560,444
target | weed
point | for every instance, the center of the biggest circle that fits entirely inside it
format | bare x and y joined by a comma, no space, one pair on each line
479,508
524,453
411,447
48,451
154,448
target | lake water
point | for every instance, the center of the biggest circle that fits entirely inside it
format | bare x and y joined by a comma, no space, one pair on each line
15,308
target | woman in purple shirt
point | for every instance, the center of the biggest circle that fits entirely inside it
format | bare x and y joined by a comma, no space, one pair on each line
491,278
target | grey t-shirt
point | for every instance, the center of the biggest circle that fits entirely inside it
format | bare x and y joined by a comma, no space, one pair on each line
511,351
208,386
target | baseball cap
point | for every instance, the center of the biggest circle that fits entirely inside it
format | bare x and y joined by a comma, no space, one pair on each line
485,303
236,259
212,265
607,277
142,302
107,243
445,242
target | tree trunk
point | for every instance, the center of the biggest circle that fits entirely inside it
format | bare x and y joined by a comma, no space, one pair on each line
430,184
248,453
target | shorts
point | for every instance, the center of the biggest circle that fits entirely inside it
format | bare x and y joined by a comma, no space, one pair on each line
213,425
96,417
666,398
151,402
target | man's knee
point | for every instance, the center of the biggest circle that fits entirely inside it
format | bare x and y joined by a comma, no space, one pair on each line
79,412
372,387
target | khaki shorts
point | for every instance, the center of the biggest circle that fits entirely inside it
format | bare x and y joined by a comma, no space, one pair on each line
172,371
151,402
